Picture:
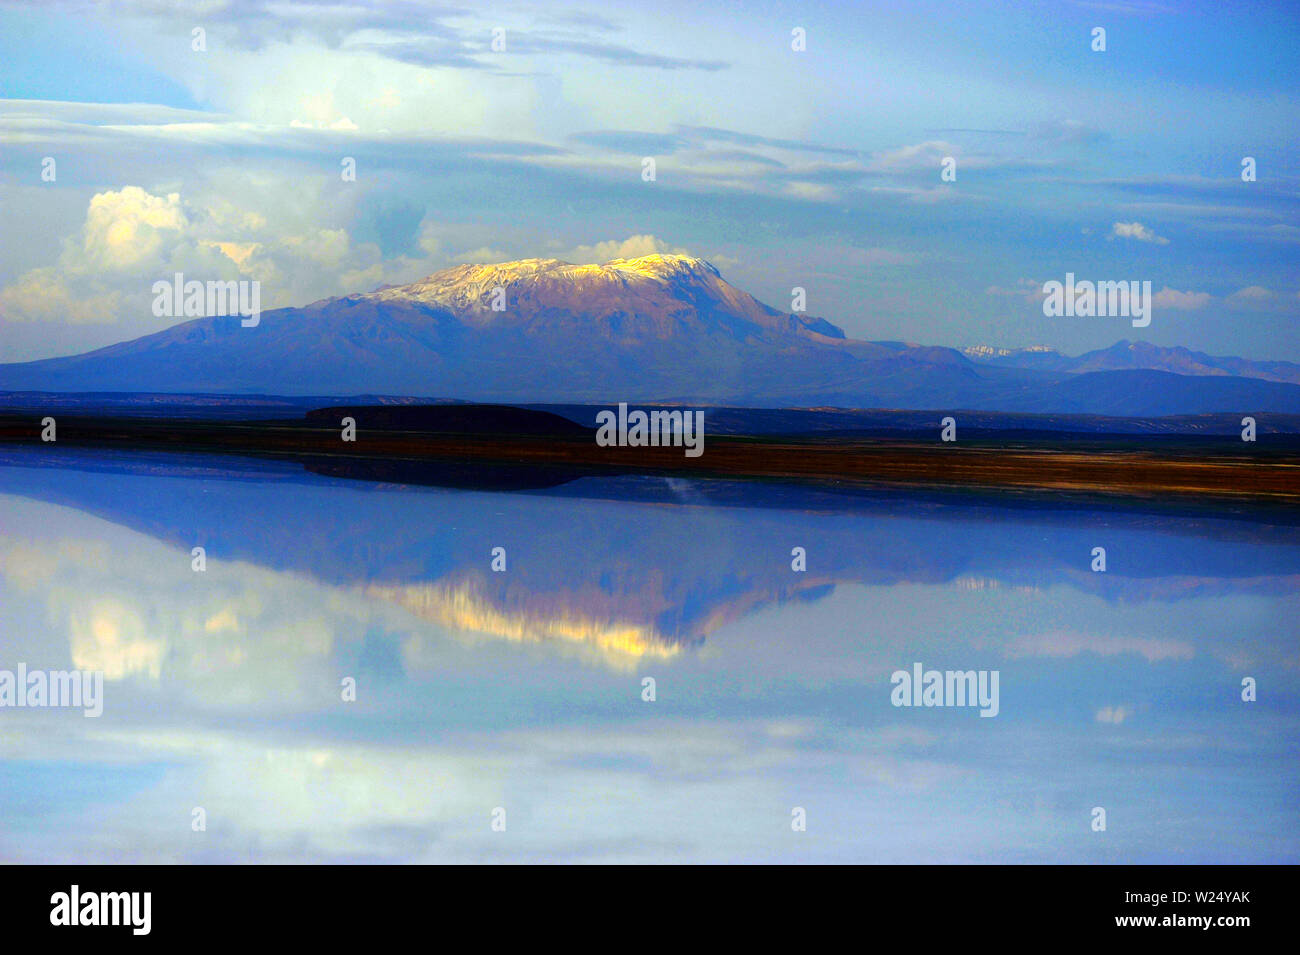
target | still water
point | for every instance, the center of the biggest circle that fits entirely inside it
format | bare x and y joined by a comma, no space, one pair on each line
519,696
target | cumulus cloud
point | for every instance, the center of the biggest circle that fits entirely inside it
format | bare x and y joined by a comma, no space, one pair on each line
1252,293
43,295
1136,231
1114,715
125,228
1172,298
131,238
483,255
632,247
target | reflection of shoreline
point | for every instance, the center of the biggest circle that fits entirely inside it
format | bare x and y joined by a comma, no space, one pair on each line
1247,518
1122,466
273,514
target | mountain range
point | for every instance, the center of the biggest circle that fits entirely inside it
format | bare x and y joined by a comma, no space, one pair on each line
1127,355
659,328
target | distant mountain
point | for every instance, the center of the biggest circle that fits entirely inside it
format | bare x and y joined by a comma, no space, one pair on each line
657,328
1141,356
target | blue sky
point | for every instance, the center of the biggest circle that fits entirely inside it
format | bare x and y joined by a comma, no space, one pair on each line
817,168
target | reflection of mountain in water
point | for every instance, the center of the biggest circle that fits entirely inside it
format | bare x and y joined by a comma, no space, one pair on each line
476,607
645,577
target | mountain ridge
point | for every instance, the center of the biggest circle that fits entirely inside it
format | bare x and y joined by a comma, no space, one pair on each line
654,328
1125,354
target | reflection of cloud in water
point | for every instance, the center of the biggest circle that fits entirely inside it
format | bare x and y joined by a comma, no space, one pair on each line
133,608
110,636
1070,643
639,792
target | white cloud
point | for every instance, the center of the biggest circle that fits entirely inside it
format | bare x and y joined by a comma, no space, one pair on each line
814,191
1136,231
632,247
1172,298
41,295
483,255
131,238
921,156
124,229
1113,715
1252,292
1031,290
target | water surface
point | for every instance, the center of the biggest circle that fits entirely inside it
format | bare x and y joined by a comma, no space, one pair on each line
523,690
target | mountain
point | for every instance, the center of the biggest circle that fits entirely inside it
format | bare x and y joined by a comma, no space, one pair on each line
1141,356
656,328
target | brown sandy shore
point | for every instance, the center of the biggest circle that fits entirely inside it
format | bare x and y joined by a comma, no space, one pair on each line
1124,466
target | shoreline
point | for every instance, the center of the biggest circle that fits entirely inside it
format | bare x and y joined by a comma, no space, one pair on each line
1107,465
